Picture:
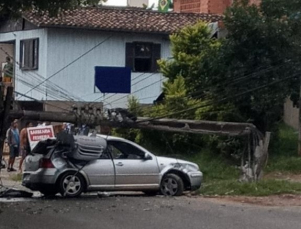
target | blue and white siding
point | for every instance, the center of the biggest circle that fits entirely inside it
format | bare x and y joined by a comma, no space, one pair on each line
59,47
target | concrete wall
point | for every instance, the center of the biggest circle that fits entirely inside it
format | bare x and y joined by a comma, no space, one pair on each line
291,114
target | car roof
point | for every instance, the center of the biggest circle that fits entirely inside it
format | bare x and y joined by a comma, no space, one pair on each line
109,137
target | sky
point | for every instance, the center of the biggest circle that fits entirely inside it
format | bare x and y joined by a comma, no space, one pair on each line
123,2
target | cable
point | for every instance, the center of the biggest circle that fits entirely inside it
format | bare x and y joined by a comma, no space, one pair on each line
40,101
137,90
221,100
72,62
52,85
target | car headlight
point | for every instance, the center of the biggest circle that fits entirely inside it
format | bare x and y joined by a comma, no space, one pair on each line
186,167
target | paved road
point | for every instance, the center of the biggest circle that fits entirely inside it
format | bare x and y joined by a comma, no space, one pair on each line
130,212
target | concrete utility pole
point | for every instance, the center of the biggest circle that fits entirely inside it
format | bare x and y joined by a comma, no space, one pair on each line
170,125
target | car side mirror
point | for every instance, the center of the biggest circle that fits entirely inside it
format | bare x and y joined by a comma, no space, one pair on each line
147,157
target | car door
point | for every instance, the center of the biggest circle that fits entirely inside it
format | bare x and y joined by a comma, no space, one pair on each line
101,173
132,169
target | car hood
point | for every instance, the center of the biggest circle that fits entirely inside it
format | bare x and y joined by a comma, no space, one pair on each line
168,161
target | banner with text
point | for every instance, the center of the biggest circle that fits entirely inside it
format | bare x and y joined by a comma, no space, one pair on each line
40,133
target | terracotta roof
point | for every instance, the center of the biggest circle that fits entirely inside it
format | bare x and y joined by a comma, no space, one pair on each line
120,19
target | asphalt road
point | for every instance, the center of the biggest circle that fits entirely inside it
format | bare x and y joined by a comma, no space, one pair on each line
138,211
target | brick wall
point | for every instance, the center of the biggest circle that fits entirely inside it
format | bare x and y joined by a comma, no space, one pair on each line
256,2
204,6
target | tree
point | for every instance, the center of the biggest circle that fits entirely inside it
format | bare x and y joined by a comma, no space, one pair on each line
14,7
261,51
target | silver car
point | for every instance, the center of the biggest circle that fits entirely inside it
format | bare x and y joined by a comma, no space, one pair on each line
123,166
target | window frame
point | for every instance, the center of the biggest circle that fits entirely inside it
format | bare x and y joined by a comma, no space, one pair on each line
131,55
139,157
29,54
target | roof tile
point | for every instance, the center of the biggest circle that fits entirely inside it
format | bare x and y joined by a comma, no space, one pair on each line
121,19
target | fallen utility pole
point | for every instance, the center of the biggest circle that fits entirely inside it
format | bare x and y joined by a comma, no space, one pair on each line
252,163
170,125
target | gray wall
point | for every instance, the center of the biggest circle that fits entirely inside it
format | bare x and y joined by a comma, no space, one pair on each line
291,114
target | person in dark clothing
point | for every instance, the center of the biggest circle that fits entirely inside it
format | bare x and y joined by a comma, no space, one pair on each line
13,140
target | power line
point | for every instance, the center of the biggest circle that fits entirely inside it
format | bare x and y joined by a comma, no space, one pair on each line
137,90
221,100
72,62
52,86
26,96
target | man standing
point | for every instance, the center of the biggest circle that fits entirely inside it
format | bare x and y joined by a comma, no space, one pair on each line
8,71
24,144
13,140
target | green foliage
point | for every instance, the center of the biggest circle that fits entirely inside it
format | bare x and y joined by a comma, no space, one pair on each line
130,134
284,152
189,47
175,99
15,7
261,188
262,48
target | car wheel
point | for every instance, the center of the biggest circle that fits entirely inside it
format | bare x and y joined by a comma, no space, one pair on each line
172,185
71,185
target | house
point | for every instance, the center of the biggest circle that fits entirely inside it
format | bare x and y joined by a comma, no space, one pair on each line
55,57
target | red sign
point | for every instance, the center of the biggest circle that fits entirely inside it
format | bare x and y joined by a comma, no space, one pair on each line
36,134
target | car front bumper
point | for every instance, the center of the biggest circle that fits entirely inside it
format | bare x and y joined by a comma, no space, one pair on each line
196,179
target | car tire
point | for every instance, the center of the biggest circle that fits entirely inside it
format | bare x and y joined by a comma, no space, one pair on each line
71,184
172,185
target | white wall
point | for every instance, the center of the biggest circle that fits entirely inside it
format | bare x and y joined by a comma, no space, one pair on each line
24,79
64,46
59,47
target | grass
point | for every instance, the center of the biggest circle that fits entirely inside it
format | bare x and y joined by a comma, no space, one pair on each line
261,188
221,177
17,177
284,152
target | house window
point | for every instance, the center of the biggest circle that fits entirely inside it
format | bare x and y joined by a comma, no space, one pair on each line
143,56
29,54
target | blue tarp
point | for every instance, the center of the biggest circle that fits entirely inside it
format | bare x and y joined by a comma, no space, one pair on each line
113,79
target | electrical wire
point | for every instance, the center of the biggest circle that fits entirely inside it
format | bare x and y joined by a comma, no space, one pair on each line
137,90
72,62
29,97
52,86
221,100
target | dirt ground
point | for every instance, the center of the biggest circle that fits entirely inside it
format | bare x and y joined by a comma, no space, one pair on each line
275,200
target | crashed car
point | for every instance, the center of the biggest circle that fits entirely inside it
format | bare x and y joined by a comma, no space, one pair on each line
106,163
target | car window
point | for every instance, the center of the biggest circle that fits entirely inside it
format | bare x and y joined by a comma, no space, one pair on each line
123,150
105,155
